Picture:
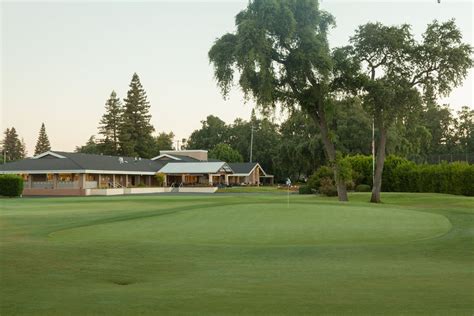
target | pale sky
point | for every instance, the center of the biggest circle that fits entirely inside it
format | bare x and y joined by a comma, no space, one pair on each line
60,60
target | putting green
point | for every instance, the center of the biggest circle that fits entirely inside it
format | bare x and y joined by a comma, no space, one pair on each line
268,224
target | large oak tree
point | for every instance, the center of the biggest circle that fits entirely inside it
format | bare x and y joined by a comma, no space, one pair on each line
281,53
400,70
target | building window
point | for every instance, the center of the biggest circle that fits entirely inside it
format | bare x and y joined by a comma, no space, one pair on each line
65,177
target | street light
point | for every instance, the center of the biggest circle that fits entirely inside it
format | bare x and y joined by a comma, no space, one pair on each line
251,144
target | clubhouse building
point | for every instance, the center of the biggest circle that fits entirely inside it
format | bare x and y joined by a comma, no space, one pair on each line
62,173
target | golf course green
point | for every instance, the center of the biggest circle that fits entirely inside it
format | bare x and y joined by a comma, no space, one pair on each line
237,254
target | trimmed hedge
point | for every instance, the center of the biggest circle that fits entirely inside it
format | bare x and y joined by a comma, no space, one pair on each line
401,175
453,178
11,185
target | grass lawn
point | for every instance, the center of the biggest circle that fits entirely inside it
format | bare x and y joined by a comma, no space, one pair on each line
252,189
237,254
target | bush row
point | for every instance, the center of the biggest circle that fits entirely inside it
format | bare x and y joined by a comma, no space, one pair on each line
11,185
401,175
452,178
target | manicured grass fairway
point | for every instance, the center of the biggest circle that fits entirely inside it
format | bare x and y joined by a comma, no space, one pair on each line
237,254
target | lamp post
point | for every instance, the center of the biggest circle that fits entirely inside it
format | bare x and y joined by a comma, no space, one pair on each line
251,144
373,151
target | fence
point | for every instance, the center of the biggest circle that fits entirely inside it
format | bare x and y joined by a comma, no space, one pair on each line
439,158
60,184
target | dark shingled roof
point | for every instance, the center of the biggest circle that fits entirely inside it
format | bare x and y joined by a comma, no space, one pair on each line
242,167
79,161
184,158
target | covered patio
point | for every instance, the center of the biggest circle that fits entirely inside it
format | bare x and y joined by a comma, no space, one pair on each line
196,174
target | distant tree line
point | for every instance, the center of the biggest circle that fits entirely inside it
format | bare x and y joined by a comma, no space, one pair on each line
13,148
294,148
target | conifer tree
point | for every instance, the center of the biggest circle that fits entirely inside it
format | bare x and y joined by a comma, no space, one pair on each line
12,147
110,125
42,145
135,131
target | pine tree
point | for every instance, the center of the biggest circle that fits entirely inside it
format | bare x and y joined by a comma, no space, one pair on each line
22,149
135,131
13,148
42,145
110,125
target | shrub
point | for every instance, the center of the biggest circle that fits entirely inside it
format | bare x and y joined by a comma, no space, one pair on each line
361,169
350,185
345,169
11,185
305,189
160,179
327,187
314,182
363,188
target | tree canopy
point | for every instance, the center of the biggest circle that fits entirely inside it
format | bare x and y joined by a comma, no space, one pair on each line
401,71
225,153
91,147
164,141
213,131
282,56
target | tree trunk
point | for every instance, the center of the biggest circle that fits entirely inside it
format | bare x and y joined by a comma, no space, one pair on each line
331,153
379,162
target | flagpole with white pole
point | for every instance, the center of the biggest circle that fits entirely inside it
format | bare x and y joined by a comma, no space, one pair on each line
288,184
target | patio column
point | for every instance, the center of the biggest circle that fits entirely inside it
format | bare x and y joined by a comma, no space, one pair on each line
55,181
126,180
258,176
99,182
113,180
30,181
183,178
149,181
210,179
165,182
226,179
82,180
